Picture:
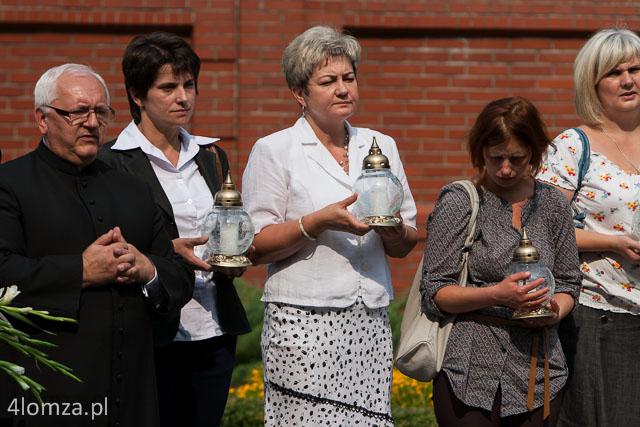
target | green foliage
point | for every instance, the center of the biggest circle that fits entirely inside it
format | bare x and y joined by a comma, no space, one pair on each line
243,412
396,308
414,417
248,349
23,343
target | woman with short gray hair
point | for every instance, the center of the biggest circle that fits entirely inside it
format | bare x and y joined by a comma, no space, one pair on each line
326,339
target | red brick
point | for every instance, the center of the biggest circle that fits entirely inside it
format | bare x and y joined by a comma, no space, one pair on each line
488,95
425,133
404,120
472,57
531,43
425,108
446,120
488,69
566,83
427,82
488,43
445,95
515,83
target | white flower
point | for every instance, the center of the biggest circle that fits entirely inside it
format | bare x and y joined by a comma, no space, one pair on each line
11,367
17,369
8,294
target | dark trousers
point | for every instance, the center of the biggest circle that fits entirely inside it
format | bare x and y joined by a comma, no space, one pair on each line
452,412
193,381
602,351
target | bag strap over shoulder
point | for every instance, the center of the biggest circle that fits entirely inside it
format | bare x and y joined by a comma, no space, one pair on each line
583,167
213,149
423,339
475,207
585,158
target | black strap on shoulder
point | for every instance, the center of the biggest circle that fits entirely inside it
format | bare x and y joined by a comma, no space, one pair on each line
583,166
213,149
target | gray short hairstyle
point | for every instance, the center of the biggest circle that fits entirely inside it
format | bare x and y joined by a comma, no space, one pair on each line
45,91
602,52
312,49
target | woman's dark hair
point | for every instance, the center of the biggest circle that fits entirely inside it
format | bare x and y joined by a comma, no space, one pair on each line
508,118
146,55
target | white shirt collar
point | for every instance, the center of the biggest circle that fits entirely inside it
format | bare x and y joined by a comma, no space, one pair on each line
308,136
131,137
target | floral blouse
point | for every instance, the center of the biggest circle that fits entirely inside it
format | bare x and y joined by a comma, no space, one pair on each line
609,196
481,357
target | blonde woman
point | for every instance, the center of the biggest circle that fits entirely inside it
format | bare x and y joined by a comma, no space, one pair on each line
602,337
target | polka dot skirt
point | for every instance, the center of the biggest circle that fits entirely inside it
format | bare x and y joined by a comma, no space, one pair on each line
327,366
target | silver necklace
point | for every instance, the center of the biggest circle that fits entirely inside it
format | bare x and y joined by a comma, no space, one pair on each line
345,156
621,152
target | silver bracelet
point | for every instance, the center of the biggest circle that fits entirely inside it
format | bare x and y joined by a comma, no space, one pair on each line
307,235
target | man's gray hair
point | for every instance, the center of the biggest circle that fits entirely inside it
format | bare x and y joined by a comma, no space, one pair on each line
312,49
45,91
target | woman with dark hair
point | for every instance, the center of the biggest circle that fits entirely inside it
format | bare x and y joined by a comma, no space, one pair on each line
493,374
326,339
602,337
194,354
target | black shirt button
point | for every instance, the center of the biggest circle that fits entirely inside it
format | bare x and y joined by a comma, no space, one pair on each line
100,218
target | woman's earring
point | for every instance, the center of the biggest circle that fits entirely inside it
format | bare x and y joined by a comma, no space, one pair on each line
304,111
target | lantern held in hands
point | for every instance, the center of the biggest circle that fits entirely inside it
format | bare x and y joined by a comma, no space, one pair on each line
527,258
229,228
380,193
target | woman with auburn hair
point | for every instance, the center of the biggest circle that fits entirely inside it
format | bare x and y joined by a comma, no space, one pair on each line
601,338
493,373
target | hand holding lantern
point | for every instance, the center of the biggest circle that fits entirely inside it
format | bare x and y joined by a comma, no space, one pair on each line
527,258
380,193
229,228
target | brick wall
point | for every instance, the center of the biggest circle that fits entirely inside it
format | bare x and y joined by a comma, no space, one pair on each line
427,68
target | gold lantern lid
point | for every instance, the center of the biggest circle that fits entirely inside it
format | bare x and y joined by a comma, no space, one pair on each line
375,159
228,195
526,251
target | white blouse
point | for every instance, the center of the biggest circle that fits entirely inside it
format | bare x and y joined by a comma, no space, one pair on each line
609,196
190,200
290,174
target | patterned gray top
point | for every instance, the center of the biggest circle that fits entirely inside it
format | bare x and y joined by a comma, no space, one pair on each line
481,357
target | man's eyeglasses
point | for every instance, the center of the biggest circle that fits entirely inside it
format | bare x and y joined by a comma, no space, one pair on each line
78,117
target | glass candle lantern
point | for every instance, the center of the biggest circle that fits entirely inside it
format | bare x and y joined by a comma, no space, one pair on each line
380,193
229,228
527,258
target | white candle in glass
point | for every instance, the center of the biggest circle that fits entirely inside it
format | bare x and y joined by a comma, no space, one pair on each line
229,238
379,200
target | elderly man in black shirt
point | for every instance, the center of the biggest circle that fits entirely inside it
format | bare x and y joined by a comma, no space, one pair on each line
83,240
